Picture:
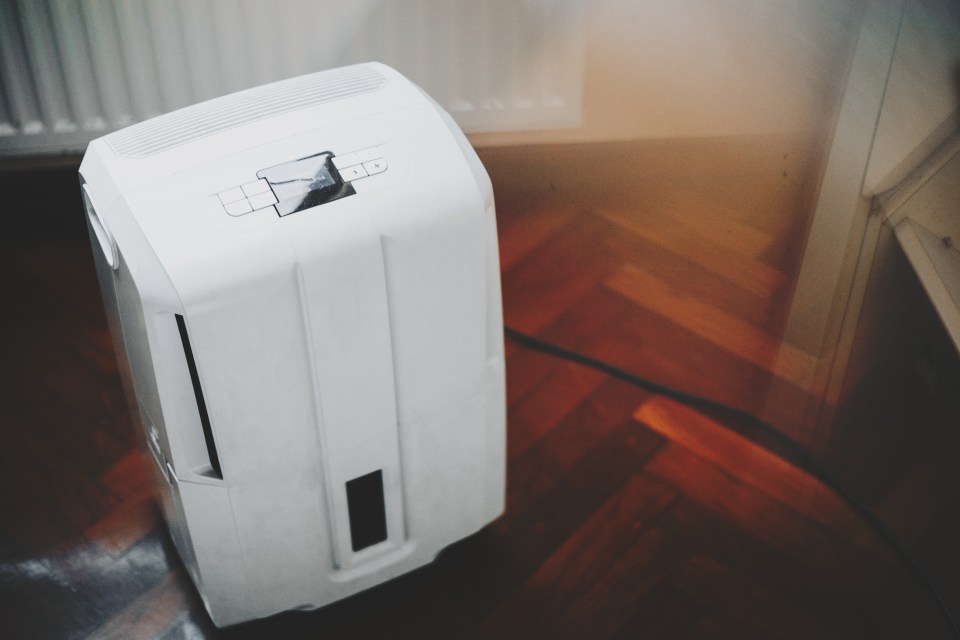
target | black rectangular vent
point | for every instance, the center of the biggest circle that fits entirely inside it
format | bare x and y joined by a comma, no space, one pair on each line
201,403
368,517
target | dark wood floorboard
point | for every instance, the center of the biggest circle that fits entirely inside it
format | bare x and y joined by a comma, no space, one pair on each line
628,515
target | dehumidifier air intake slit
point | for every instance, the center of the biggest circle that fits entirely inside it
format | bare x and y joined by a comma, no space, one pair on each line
201,403
366,510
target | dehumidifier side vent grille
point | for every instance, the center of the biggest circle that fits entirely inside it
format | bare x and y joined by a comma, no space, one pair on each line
204,119
366,510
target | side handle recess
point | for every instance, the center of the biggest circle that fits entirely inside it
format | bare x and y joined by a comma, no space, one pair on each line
201,403
100,230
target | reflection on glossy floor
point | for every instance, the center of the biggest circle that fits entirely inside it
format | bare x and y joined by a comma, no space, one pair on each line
628,515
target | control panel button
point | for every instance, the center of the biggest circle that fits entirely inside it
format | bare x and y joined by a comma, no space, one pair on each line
353,173
238,208
262,200
346,160
254,188
371,153
230,195
356,157
375,166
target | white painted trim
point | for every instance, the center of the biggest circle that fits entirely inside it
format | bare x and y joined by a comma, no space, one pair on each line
938,268
835,246
889,203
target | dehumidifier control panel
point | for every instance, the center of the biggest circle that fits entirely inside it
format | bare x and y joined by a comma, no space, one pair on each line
303,183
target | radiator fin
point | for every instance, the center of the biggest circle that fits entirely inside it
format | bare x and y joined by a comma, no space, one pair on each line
72,71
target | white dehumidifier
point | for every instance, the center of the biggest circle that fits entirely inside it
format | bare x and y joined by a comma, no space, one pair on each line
303,279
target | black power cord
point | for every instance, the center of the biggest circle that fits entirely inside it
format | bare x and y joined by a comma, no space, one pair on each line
808,460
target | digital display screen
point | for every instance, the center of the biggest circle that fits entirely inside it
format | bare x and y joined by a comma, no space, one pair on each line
305,183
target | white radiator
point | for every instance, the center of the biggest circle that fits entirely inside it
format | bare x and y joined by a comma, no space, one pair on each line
72,70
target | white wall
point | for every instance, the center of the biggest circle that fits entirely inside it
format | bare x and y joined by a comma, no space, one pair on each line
703,68
921,107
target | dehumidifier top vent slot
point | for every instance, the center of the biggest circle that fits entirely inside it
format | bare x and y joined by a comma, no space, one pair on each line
191,123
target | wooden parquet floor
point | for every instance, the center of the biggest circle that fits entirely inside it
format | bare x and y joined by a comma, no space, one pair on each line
628,515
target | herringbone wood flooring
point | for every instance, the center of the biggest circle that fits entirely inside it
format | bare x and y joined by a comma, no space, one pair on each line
629,516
